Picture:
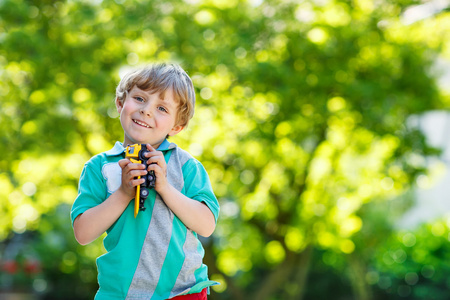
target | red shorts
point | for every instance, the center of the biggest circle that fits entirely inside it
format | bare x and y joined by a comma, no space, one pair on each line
199,296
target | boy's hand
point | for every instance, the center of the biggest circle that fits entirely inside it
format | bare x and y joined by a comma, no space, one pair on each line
129,172
157,163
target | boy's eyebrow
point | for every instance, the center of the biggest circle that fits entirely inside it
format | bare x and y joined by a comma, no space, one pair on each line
170,104
162,97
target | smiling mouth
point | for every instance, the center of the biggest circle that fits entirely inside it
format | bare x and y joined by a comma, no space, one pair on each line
141,123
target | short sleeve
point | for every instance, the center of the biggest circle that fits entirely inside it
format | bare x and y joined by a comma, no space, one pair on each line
91,189
197,185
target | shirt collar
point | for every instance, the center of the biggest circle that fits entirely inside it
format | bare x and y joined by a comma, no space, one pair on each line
118,148
166,145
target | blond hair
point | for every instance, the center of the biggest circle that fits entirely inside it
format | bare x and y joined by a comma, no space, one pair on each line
159,78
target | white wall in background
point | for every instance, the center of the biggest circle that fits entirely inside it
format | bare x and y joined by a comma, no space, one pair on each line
432,198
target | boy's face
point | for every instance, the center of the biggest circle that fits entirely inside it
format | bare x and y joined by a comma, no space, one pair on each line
146,118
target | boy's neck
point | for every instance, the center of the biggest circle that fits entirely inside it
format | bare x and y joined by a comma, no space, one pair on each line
156,146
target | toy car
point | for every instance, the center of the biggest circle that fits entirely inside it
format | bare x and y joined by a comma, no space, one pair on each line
136,154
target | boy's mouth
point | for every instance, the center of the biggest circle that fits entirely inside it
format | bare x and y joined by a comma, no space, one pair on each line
141,123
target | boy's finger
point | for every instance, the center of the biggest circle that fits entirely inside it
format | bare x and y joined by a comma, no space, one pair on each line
138,166
124,162
157,159
151,167
149,147
137,182
136,173
133,166
154,153
154,167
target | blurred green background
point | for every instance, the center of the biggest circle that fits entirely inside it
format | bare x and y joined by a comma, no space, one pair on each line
301,121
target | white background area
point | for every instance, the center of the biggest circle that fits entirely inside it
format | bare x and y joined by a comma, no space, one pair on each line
433,197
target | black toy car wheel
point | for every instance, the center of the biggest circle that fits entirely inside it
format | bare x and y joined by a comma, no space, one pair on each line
144,193
142,155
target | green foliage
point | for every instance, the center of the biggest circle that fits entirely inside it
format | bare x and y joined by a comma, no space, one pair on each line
414,264
408,264
301,122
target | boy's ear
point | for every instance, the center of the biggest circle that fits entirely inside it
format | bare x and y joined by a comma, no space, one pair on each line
119,104
176,129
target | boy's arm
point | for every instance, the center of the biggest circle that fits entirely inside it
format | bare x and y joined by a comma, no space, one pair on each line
95,221
194,214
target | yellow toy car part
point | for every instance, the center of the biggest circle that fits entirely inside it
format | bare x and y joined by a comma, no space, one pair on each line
136,154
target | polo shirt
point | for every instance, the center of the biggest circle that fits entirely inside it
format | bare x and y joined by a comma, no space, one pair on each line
153,256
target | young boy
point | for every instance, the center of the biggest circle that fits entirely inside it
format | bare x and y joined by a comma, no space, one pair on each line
157,254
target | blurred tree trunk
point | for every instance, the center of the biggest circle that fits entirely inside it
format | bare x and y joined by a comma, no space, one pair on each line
357,274
301,273
275,279
296,268
210,260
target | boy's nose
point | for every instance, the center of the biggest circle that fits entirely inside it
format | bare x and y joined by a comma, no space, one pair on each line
145,112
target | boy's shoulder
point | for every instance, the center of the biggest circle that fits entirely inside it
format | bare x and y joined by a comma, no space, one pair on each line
186,163
181,154
184,157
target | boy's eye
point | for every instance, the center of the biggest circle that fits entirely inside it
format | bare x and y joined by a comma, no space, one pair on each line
140,99
162,109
